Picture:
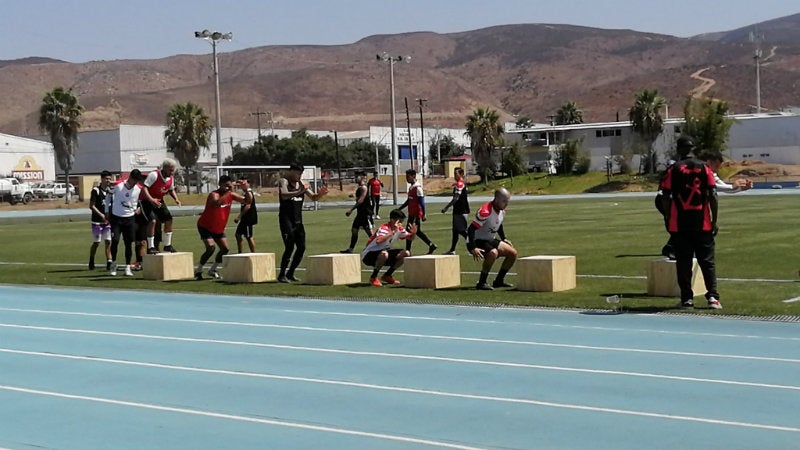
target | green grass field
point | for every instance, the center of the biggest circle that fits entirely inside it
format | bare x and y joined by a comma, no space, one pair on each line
612,238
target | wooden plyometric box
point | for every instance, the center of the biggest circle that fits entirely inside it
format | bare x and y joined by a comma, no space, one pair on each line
334,269
662,279
546,273
432,271
168,266
248,267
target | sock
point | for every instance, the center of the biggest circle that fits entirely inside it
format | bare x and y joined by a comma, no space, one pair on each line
484,276
353,240
198,268
389,272
150,243
167,239
375,272
213,267
501,275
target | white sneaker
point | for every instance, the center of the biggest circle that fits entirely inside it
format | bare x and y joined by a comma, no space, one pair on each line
377,217
213,274
113,270
128,271
713,303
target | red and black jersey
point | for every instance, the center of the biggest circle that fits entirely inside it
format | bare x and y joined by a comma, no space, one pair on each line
689,185
461,206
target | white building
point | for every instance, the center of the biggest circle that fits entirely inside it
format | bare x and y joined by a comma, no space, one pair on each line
26,159
768,137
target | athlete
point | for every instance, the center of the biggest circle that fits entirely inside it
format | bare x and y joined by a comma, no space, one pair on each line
487,241
211,225
375,185
248,216
416,209
101,228
122,203
379,251
159,183
291,193
363,219
460,204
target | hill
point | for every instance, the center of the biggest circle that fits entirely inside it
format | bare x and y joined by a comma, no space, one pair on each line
528,69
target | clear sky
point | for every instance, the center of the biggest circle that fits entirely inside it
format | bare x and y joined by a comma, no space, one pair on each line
86,30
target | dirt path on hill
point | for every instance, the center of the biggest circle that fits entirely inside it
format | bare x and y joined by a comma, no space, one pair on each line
705,83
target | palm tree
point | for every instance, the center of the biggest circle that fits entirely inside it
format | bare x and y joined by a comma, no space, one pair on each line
569,114
485,132
188,130
60,116
646,121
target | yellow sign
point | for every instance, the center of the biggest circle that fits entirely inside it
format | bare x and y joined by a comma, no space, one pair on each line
28,170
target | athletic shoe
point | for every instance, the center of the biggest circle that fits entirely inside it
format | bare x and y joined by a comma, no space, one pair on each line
152,251
136,267
347,250
501,284
432,248
170,249
451,252
292,278
213,274
377,217
375,281
686,304
388,279
713,303
128,272
483,287
283,279
198,275
113,270
669,252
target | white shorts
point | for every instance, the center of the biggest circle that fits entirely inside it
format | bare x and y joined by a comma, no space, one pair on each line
101,232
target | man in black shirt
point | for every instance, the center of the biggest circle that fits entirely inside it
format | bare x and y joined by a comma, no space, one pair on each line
363,219
248,216
460,204
101,228
291,193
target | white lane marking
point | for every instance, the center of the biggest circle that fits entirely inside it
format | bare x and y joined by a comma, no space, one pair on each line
386,333
276,422
406,439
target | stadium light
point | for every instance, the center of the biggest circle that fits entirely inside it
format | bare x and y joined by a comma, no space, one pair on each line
213,37
384,57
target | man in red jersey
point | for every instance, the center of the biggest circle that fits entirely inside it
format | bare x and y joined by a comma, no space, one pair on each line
689,202
375,184
211,225
157,184
416,209
487,241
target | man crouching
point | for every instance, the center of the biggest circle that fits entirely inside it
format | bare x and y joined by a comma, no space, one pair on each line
487,241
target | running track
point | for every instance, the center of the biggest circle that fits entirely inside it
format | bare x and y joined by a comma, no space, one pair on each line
100,369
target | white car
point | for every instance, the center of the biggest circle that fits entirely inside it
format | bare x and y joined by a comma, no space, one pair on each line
44,190
60,189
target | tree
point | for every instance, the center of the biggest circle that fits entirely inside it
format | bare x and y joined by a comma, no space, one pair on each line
60,116
512,163
485,133
188,130
708,124
646,121
567,155
444,146
569,114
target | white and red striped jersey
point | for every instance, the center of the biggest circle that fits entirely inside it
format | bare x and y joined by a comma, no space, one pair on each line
373,244
487,221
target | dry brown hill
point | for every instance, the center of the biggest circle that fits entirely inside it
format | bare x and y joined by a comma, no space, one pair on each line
527,70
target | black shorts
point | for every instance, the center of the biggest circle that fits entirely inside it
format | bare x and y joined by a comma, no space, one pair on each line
244,230
460,223
161,213
370,258
363,221
205,234
487,245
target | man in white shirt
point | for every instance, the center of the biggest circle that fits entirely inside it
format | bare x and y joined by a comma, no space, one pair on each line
487,241
379,251
122,203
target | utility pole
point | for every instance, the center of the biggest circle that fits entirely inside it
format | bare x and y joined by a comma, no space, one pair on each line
212,37
422,102
258,115
756,38
410,146
391,60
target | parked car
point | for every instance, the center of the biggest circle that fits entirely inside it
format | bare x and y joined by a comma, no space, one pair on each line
14,191
60,189
44,190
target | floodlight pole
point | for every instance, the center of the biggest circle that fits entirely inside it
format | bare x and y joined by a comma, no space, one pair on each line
391,60
213,37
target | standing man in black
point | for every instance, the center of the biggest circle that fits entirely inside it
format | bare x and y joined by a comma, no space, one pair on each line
363,209
690,211
460,204
248,216
291,193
